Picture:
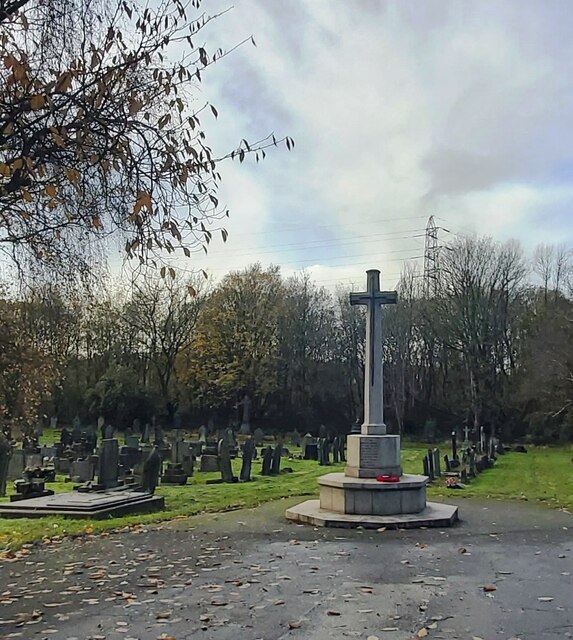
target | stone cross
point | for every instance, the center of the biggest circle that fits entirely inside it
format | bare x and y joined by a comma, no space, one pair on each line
373,298
467,433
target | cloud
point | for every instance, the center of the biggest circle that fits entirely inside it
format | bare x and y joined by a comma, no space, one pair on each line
399,111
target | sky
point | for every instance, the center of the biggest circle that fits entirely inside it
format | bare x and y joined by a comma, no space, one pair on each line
399,110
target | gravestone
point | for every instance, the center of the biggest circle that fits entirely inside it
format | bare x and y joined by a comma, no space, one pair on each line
32,485
447,464
132,441
203,434
108,464
426,466
436,463
245,428
248,451
324,451
5,455
146,433
259,436
62,465
101,426
209,457
82,470
225,461
108,432
151,471
267,461
33,460
295,438
311,451
66,437
276,460
174,474
454,446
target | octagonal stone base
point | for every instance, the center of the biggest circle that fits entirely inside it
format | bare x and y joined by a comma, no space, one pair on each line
366,496
434,514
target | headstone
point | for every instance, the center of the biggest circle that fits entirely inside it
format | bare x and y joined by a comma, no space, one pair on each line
311,451
108,432
426,466
447,464
431,464
101,426
132,442
342,448
32,485
466,436
151,471
146,433
436,463
335,451
276,460
248,451
91,440
66,437
454,446
33,460
209,463
324,451
295,438
54,422
5,455
322,432
203,433
267,461
82,470
62,465
225,461
174,474
108,464
245,428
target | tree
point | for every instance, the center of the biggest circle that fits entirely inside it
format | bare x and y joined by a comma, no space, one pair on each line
307,332
478,292
100,129
161,316
236,345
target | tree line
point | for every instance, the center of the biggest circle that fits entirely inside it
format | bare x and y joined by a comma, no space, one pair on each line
487,341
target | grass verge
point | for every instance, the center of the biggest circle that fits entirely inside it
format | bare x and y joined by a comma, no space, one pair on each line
544,475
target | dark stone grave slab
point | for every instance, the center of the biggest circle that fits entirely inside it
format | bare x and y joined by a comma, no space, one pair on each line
95,504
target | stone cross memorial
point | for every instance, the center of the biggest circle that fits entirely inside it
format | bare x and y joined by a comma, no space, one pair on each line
373,492
369,455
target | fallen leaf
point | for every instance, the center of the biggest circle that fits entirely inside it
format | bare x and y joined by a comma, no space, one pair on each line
331,612
545,599
489,587
295,624
422,633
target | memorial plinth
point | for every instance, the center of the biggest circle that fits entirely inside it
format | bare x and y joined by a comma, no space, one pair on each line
370,456
373,492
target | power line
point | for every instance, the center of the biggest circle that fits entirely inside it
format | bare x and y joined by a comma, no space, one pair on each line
318,244
320,226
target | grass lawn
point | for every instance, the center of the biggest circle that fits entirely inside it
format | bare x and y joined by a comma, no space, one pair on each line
544,474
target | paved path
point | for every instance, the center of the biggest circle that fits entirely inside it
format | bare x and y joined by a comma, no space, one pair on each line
250,574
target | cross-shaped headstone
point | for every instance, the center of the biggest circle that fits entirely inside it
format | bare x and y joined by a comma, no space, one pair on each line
373,298
467,433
